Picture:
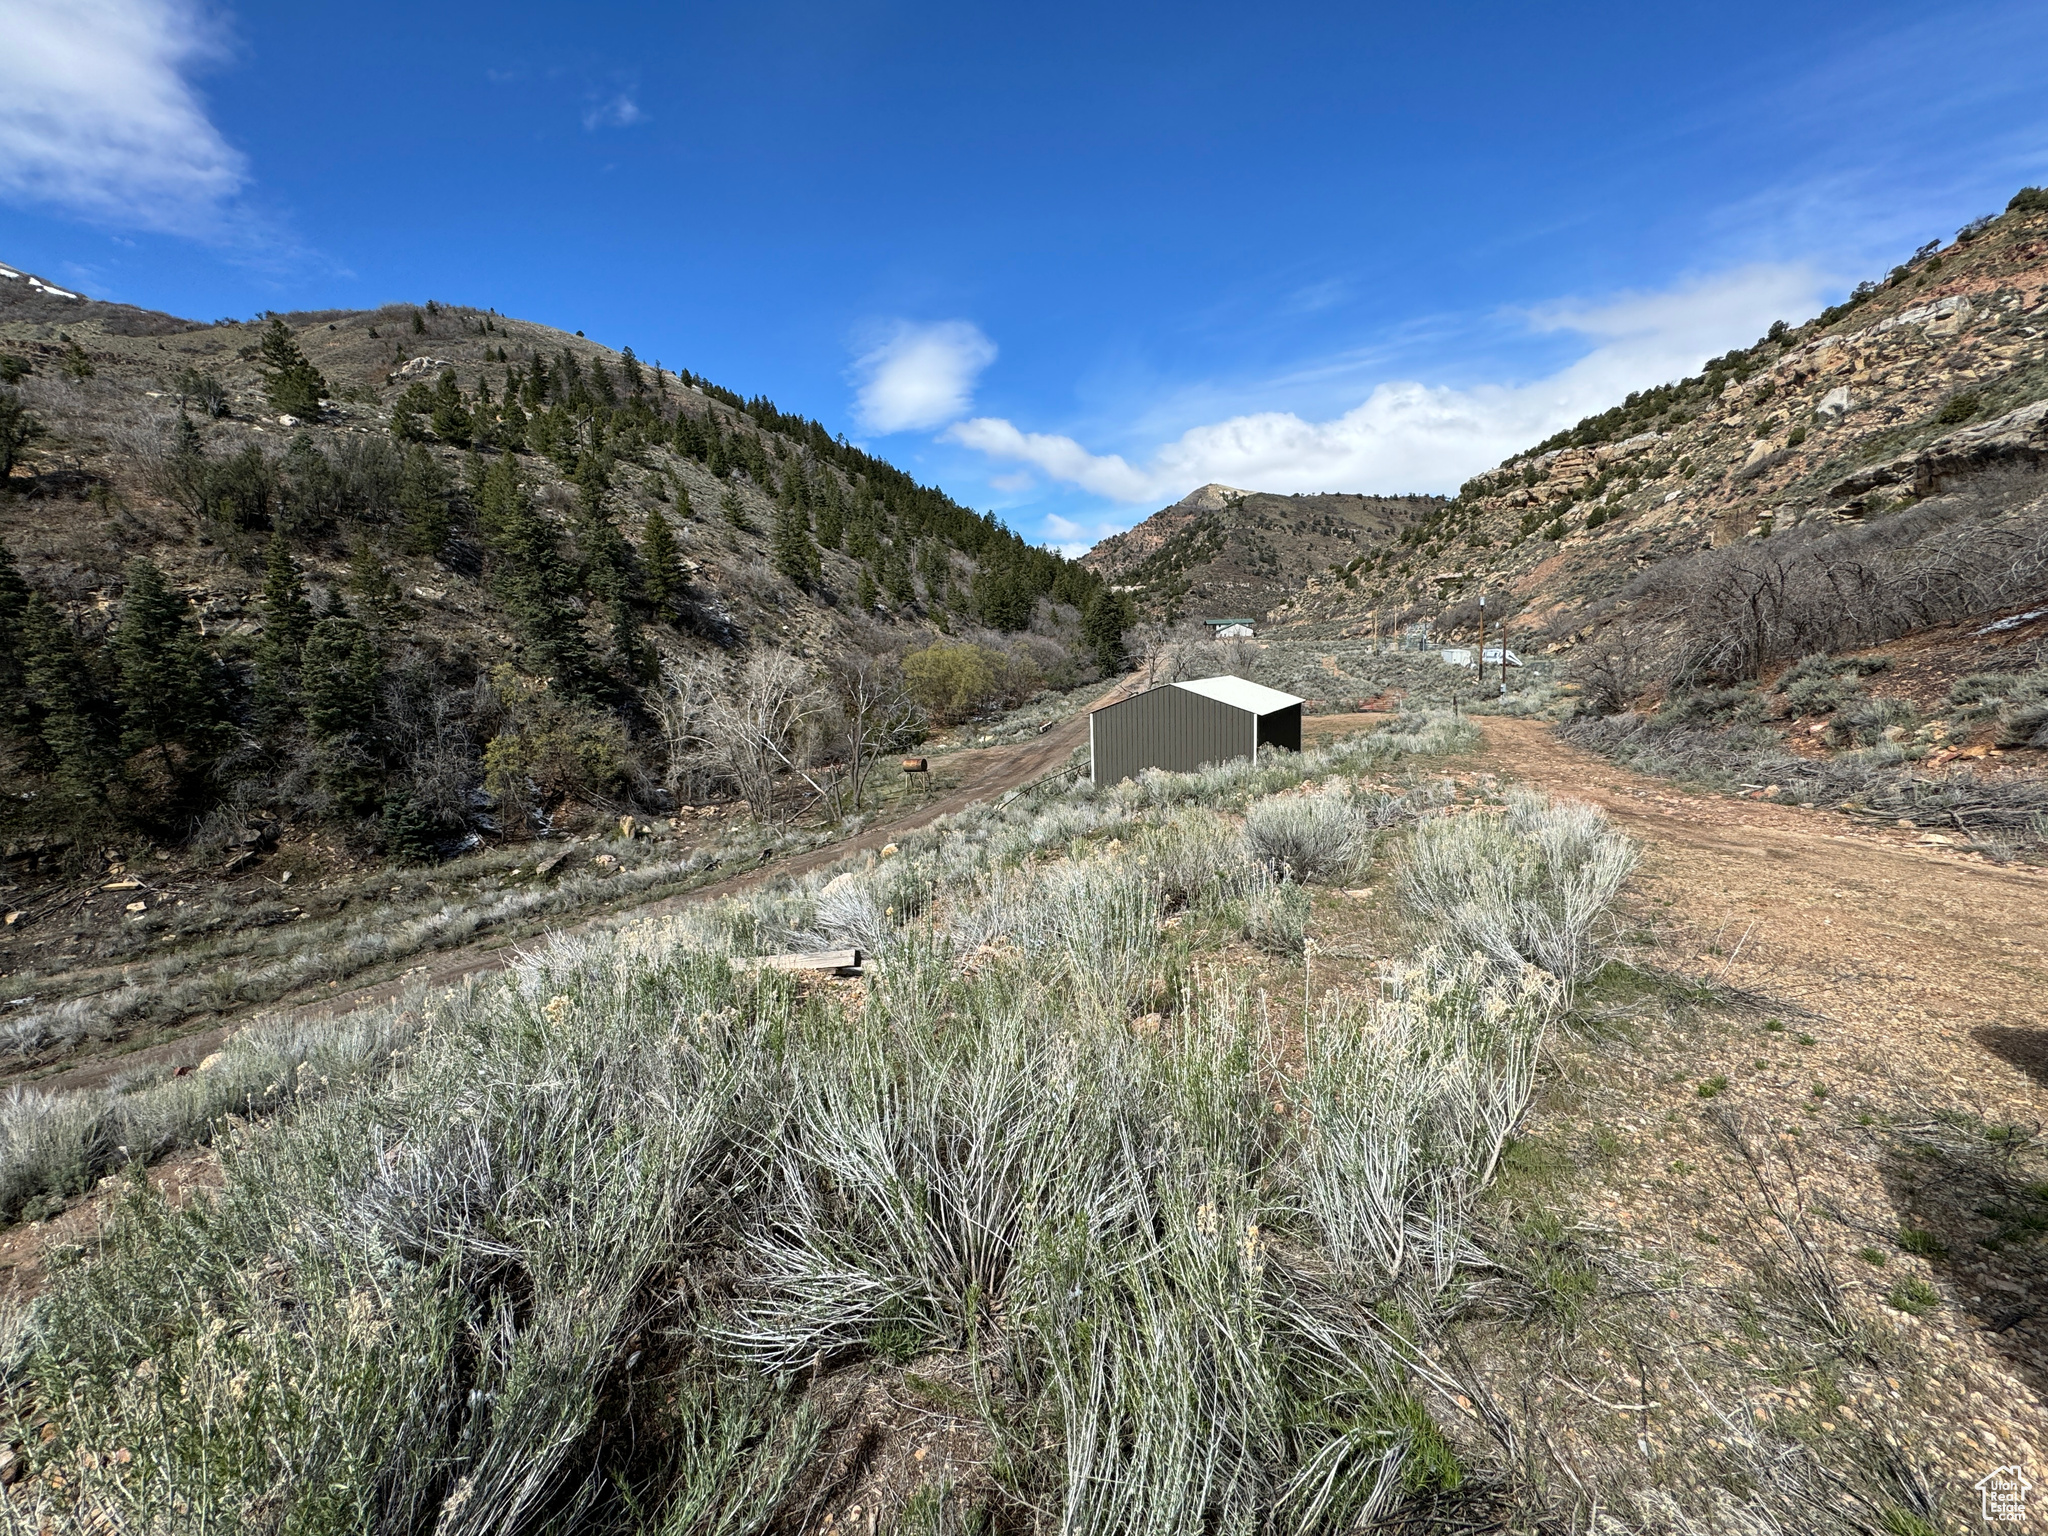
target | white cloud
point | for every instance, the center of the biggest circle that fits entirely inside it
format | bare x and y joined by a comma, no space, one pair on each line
1074,539
618,111
99,116
1412,436
920,376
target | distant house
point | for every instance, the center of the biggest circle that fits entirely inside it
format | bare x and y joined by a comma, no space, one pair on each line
1218,626
1182,726
1234,632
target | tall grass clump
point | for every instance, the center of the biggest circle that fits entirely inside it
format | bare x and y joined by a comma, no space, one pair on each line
1524,887
1407,1104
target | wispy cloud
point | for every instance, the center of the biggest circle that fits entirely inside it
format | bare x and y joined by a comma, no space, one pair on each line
99,116
618,110
919,376
1410,435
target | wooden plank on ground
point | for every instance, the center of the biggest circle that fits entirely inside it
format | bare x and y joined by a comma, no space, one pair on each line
832,962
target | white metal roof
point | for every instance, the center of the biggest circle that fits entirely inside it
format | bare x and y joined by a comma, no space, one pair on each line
1256,698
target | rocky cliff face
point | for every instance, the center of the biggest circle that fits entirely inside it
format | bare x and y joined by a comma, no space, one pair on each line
1936,378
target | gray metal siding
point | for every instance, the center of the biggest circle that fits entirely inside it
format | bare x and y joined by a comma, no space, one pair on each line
1171,728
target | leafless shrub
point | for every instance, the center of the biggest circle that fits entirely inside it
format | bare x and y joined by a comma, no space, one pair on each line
1815,589
1613,667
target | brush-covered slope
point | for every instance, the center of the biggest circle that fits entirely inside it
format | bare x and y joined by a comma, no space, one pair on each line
1925,391
1221,552
422,569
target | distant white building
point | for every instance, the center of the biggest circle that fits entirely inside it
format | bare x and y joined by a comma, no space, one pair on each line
1461,656
1234,632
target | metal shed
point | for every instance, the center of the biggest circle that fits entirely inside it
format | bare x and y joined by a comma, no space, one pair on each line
1181,726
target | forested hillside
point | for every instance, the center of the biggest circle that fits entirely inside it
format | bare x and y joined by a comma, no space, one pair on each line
426,574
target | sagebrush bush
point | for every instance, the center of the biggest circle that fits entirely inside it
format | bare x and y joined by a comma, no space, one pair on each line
1324,835
1522,887
562,1248
1819,685
1276,914
1712,706
1865,721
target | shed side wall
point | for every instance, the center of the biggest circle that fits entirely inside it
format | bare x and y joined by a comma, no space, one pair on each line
1168,728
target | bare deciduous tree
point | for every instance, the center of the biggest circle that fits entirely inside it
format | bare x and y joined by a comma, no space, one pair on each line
876,714
750,725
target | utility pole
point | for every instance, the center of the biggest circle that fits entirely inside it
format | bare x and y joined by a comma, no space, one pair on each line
1479,661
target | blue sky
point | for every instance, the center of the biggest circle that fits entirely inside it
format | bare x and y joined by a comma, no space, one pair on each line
1068,262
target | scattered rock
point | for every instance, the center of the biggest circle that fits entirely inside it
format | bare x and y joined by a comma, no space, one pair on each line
1834,405
628,828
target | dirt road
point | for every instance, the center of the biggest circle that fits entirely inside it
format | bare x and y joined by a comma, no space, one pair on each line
984,773
1935,956
1903,1105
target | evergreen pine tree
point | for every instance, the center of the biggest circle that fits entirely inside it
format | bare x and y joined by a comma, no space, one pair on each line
339,673
530,579
896,576
831,520
287,619
451,418
59,704
1103,623
423,509
661,573
511,431
936,567
165,690
865,594
293,384
796,557
185,466
604,547
377,597
632,657
408,831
